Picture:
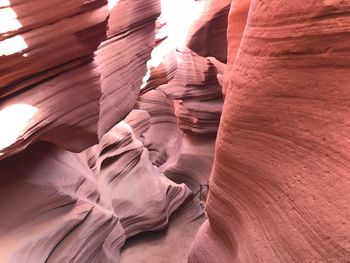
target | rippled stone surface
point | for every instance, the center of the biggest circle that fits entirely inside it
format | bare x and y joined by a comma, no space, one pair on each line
279,190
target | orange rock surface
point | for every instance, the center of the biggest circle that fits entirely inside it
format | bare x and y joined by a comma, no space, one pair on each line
279,190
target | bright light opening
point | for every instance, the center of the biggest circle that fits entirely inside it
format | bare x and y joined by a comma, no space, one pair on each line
9,23
8,19
4,3
12,45
179,16
14,120
112,4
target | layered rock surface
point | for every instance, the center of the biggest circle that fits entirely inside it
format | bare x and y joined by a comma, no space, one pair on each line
184,105
130,185
41,36
45,59
50,211
73,75
45,111
55,89
279,191
122,58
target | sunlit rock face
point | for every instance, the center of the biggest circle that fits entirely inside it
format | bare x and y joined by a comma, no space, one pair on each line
46,61
109,115
107,122
280,186
46,111
196,92
183,95
39,36
46,54
185,114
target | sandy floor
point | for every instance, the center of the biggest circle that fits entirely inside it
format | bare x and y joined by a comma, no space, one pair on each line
166,246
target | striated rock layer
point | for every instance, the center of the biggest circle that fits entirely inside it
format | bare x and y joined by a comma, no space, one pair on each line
279,191
60,84
79,213
130,185
45,111
40,36
185,114
46,51
122,57
50,201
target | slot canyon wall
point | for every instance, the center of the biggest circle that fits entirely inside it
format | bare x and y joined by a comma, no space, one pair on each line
109,112
279,190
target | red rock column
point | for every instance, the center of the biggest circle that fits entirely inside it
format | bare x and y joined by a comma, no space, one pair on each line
280,187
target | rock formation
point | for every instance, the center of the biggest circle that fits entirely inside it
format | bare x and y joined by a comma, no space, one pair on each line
279,191
122,57
129,184
94,149
109,111
50,210
45,59
208,35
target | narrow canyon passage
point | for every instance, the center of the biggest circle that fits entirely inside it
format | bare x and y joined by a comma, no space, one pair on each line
163,131
109,114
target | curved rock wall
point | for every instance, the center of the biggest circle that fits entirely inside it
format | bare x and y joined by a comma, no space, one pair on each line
50,210
279,191
122,57
129,184
45,59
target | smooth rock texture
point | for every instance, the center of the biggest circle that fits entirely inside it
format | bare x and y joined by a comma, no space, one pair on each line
174,151
126,15
163,138
129,183
89,212
168,245
279,191
183,96
109,114
50,201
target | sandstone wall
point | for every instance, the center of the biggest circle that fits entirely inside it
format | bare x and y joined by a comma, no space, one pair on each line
279,190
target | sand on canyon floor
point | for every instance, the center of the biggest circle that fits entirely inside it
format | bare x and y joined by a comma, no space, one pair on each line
166,246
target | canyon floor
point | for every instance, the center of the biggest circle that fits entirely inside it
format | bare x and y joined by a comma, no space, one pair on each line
166,246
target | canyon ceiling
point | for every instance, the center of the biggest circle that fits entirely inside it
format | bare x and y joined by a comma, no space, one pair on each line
114,113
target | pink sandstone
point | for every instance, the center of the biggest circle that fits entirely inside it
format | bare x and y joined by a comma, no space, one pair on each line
279,190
